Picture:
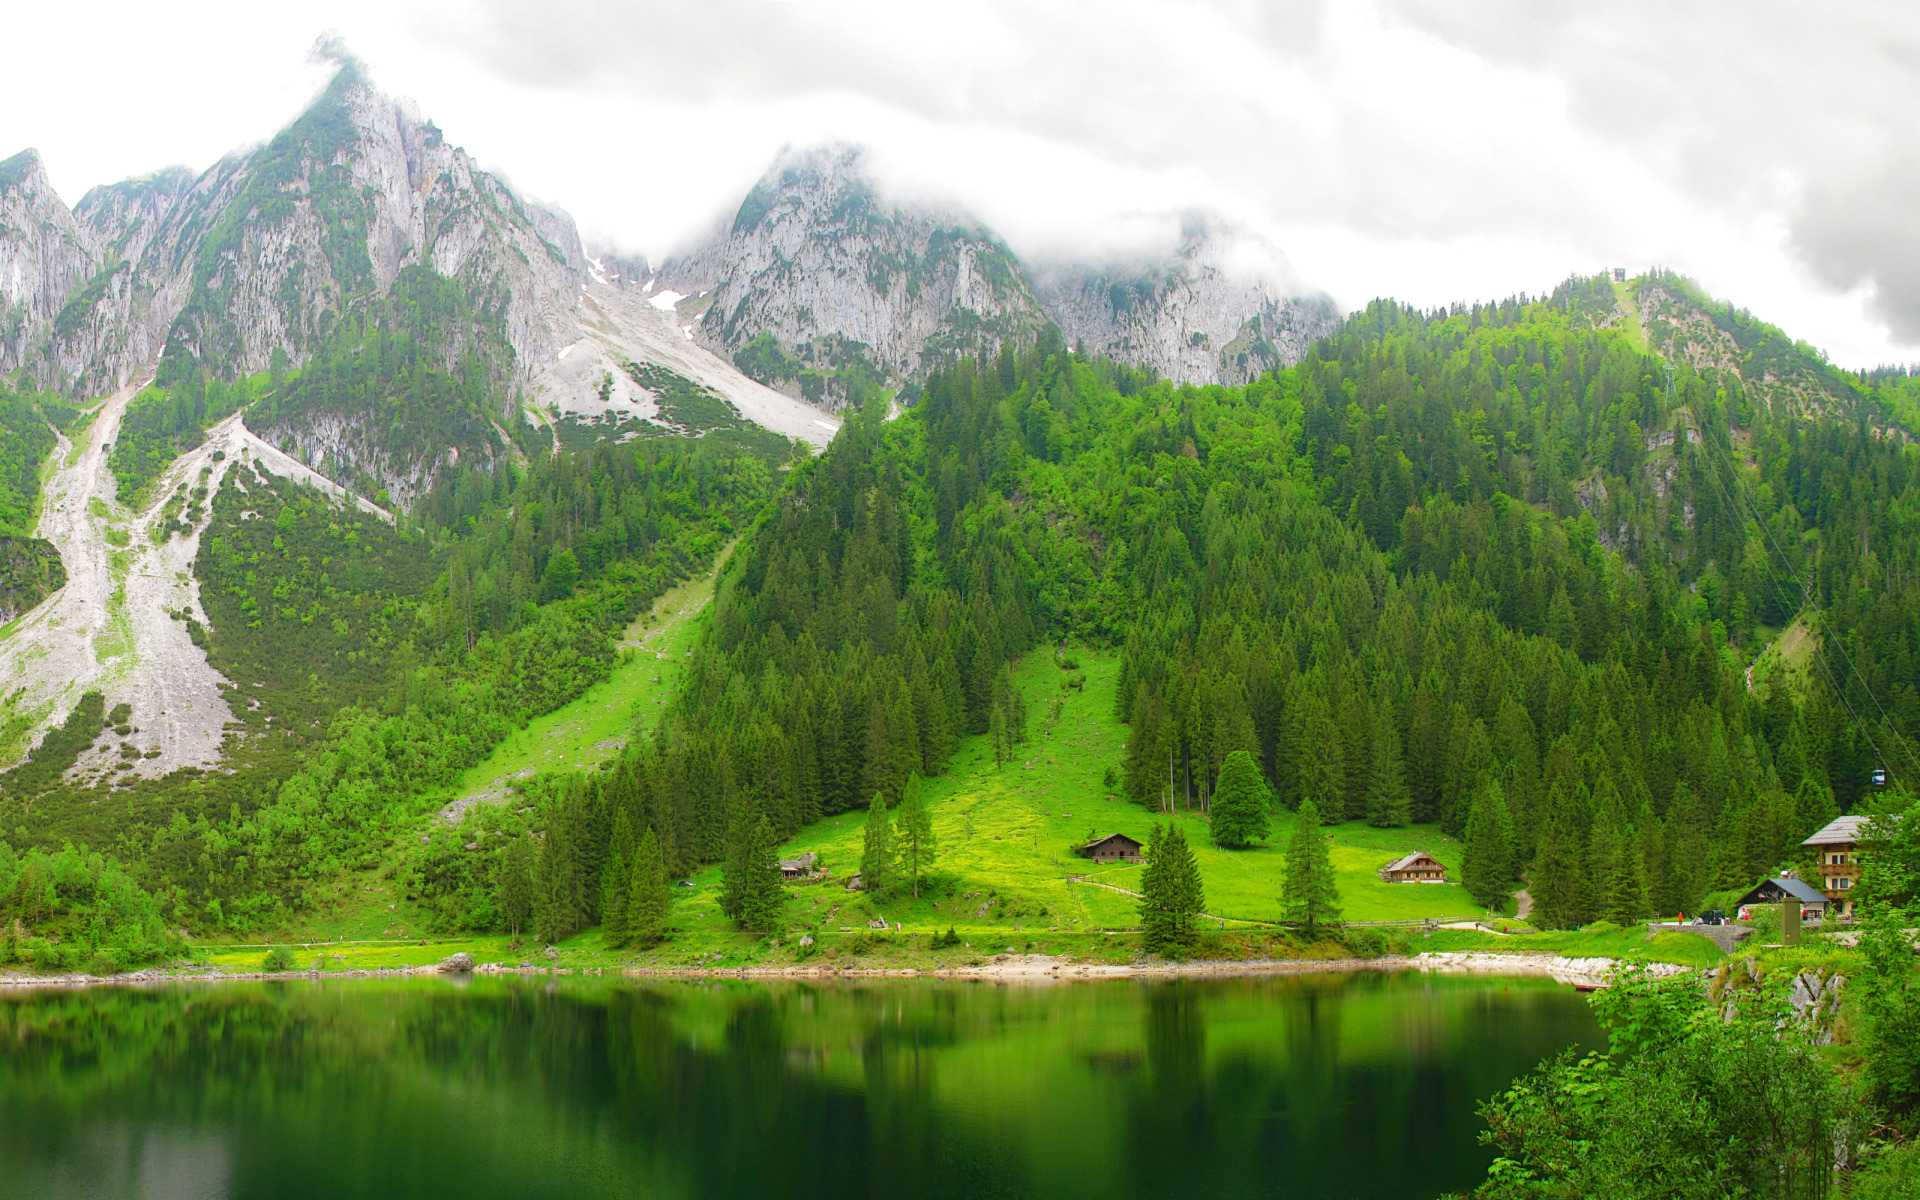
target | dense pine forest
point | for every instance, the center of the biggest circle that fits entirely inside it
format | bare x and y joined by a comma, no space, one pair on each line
1495,568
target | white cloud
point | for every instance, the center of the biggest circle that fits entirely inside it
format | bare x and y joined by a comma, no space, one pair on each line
1433,152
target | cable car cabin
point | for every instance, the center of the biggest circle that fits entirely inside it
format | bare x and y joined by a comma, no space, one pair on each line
1113,848
1879,777
1418,867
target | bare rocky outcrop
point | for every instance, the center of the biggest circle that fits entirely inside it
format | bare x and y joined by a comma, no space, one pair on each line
1221,308
823,277
46,255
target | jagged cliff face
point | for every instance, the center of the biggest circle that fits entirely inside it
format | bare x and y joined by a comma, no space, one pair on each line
46,254
820,281
263,251
1217,310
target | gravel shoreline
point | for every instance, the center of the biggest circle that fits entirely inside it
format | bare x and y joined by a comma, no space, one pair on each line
1022,968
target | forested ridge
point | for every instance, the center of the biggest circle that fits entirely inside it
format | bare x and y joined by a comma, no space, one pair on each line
1495,567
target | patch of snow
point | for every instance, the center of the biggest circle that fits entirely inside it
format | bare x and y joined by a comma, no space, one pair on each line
688,330
827,425
666,299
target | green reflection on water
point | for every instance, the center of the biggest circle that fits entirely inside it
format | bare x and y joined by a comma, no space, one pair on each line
1304,1086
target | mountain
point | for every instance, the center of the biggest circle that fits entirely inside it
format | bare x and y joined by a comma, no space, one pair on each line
46,255
1218,309
824,285
352,308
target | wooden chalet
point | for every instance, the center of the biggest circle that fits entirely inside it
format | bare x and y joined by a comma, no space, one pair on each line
1838,872
798,868
1782,891
1418,867
1115,847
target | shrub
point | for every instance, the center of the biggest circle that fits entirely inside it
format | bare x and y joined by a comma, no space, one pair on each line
278,959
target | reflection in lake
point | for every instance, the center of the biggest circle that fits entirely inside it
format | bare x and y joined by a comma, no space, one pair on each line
1300,1086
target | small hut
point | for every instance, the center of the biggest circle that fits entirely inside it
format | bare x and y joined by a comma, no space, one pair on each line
798,868
1782,891
1115,847
1418,867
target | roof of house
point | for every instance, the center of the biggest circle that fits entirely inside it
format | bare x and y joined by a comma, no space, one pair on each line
799,864
1401,864
1838,830
1112,837
1792,887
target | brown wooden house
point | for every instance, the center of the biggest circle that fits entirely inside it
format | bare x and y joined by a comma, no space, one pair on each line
798,868
1115,847
1418,867
1838,869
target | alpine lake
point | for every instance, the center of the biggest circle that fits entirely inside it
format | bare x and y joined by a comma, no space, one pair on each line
1341,1084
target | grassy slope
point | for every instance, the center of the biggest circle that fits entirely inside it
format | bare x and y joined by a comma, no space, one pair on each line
1004,833
370,906
591,730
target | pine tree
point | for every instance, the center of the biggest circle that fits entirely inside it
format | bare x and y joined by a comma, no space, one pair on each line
649,896
876,848
1627,883
762,895
516,885
1171,894
613,901
1389,801
1557,884
737,871
1486,866
1239,803
1310,894
913,830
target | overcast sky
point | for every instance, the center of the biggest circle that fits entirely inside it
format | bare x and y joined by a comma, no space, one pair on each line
1431,150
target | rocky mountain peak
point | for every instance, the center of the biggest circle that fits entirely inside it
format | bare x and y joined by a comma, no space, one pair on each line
1221,306
824,279
824,283
45,254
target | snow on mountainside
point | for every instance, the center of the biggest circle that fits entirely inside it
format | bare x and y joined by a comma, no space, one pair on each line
822,281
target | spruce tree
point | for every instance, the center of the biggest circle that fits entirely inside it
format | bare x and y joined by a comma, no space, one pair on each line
1389,800
516,885
1171,894
1310,894
613,901
913,831
649,895
1239,803
876,848
1486,866
1557,885
762,895
1627,884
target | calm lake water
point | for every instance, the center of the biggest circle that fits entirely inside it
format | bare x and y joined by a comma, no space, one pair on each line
1338,1085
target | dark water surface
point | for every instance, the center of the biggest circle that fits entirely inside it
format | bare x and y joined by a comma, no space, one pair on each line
1307,1086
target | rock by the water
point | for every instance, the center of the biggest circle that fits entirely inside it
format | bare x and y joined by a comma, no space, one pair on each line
460,963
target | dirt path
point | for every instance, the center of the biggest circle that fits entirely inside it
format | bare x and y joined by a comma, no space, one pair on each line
119,625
